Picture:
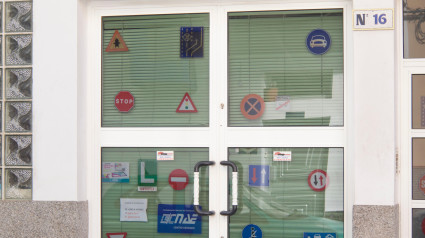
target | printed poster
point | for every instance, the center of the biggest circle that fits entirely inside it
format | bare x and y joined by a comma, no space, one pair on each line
173,218
133,209
115,172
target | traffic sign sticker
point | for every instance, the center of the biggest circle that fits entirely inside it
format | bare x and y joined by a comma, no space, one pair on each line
117,235
124,101
178,179
252,231
422,184
259,175
117,43
318,180
252,106
318,41
319,235
186,105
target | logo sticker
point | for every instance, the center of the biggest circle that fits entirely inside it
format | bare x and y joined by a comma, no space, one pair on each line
174,218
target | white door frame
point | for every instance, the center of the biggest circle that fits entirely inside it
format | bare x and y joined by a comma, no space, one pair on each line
207,136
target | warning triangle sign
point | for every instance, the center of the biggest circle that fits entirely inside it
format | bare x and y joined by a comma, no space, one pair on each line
186,105
116,43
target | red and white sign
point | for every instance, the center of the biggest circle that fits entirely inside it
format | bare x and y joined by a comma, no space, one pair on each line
117,235
186,104
116,43
124,101
422,184
423,226
165,155
318,180
178,179
282,156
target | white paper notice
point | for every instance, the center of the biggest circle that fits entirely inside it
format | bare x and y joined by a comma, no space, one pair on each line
133,209
282,156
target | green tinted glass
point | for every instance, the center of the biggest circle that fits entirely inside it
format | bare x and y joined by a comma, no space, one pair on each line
288,198
296,72
167,57
125,171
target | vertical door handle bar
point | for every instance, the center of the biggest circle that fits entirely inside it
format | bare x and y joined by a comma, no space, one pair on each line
196,188
234,188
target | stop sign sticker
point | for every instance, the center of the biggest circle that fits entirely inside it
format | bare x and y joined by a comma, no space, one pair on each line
124,101
318,180
178,179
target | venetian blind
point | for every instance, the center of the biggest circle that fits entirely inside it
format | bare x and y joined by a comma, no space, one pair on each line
153,71
269,56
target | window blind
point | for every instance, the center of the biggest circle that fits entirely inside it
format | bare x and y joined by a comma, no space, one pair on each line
153,71
268,56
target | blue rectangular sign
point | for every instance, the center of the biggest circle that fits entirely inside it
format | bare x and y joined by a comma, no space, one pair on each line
319,235
259,175
173,218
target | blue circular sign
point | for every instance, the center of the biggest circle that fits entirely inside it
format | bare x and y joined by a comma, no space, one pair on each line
251,231
318,42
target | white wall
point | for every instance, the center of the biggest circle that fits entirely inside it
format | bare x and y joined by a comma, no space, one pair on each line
374,112
55,100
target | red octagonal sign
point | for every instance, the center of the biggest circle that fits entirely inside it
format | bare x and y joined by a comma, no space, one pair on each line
124,101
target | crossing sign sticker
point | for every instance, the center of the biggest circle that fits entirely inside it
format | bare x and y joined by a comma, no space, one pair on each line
252,231
259,175
318,180
252,106
116,43
186,105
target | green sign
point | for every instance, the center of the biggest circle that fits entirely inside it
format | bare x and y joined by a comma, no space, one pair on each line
148,176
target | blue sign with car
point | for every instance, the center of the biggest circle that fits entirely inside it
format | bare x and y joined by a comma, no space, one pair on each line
252,231
318,41
319,235
173,218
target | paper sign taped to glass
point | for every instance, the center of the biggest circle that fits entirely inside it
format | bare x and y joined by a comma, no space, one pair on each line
115,172
133,209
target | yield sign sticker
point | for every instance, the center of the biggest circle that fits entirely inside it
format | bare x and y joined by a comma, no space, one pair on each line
186,104
259,175
318,180
116,43
178,179
117,235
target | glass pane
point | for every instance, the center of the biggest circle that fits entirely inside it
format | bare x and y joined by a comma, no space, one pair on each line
18,117
18,150
19,50
418,101
289,191
414,29
286,68
0,185
418,169
19,83
155,71
18,16
418,223
18,184
125,171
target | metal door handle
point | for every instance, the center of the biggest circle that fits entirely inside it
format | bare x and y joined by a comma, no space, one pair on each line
234,188
196,188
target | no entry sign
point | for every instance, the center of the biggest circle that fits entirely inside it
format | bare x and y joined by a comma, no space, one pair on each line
124,101
318,180
178,179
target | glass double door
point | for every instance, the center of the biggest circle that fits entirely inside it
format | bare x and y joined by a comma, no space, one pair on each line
223,124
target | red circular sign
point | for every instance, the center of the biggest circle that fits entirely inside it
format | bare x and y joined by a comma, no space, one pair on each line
318,180
422,184
178,179
252,106
124,101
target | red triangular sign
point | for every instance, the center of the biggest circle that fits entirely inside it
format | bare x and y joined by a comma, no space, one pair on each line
116,43
117,235
186,105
